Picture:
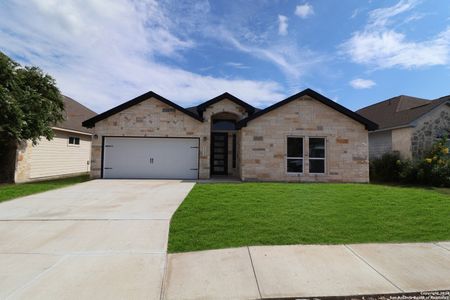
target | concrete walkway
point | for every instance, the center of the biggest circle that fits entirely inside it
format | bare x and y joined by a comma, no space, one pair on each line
308,271
103,239
107,239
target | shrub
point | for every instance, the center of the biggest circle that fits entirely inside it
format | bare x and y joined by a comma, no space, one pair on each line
433,169
387,168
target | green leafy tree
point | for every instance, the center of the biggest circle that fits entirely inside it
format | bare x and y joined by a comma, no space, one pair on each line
30,104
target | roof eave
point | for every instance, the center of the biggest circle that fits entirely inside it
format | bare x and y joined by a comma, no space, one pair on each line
248,108
90,123
369,125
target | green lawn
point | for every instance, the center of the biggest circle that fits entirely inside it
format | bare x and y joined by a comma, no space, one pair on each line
242,214
11,191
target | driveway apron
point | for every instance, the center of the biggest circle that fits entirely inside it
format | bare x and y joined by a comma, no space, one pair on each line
99,239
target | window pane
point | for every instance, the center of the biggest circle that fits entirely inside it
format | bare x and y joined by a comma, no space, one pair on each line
77,141
224,125
295,147
317,147
316,166
295,165
71,140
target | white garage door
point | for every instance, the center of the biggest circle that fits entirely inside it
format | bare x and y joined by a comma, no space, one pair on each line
164,158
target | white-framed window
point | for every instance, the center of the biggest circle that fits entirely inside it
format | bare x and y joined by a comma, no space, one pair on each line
74,141
317,155
294,157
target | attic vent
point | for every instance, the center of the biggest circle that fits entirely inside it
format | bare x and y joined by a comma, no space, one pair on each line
168,109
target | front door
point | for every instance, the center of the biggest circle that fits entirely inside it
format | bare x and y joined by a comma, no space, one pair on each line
219,153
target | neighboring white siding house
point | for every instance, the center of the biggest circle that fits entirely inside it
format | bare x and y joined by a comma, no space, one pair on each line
67,154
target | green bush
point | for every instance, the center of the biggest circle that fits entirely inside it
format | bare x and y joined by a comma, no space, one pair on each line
387,168
433,169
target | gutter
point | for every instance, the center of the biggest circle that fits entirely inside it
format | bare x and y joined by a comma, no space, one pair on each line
73,131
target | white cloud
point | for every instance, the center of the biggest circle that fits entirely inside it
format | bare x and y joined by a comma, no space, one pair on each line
389,49
291,60
103,53
282,25
381,47
236,65
360,83
304,10
382,16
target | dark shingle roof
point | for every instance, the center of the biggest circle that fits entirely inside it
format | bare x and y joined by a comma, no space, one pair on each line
399,111
74,114
196,112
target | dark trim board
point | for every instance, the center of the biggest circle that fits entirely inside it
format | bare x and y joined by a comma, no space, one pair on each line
196,112
91,122
150,137
308,92
103,154
248,108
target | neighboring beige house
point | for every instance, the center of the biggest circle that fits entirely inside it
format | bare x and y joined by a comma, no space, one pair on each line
67,154
306,137
407,125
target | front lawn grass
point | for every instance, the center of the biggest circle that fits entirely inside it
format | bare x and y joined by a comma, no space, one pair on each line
11,191
242,214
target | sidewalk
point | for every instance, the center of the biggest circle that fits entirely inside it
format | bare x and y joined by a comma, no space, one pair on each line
307,270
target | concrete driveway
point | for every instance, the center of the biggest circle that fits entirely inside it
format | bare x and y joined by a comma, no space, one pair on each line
103,239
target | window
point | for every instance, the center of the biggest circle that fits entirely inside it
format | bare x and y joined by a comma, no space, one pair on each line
74,140
317,155
294,155
224,125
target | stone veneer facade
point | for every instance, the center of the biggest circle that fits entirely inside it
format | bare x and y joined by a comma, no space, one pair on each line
429,129
155,118
264,143
261,145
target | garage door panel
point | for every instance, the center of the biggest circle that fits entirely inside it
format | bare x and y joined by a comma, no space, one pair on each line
163,158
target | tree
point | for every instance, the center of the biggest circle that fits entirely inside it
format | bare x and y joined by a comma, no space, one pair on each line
30,104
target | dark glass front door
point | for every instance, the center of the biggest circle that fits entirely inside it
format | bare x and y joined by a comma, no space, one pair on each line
219,153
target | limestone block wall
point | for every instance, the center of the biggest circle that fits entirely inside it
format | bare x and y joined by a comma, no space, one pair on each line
224,105
263,144
23,166
428,129
154,118
227,106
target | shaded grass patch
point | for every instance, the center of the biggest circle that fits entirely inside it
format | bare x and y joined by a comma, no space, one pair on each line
11,191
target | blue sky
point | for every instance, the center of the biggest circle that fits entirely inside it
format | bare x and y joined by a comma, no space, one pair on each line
355,52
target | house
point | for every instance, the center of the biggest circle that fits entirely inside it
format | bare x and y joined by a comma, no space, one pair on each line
67,154
407,125
306,137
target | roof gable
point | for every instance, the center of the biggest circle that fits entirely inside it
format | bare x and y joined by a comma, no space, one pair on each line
407,102
308,92
74,114
400,110
203,106
91,122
